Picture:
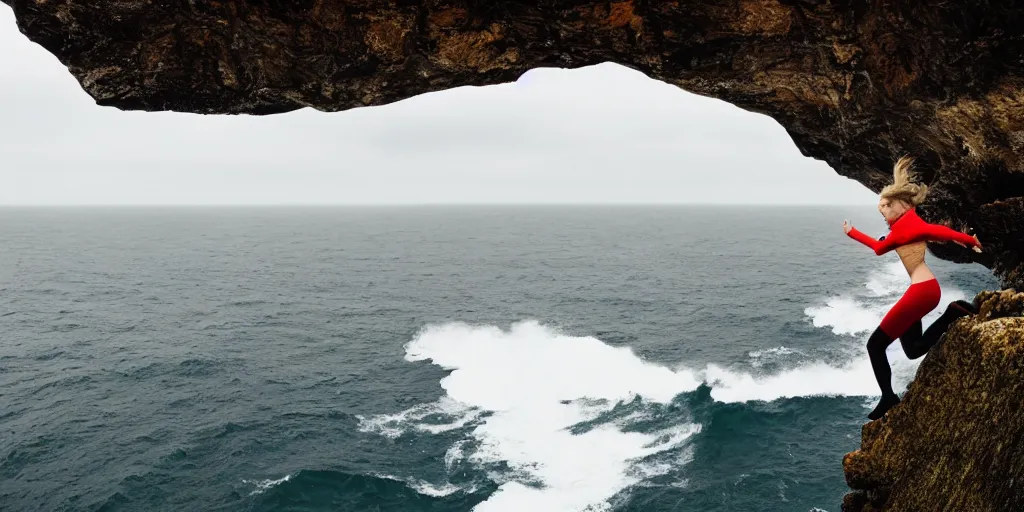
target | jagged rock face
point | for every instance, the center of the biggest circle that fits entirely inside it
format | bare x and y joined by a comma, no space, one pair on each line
855,83
956,442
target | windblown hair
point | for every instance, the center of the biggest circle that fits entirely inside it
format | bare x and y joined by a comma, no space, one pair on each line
903,187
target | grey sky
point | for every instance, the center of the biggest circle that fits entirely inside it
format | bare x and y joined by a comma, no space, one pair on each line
604,134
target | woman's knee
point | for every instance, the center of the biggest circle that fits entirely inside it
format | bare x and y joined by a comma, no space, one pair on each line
878,340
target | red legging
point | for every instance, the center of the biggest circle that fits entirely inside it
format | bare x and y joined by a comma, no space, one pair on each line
917,302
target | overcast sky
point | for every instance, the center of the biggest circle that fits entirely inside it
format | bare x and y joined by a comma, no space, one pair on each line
604,134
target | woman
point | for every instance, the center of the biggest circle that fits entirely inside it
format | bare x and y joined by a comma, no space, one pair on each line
907,235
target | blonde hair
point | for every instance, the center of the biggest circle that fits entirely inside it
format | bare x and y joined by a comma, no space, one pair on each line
903,187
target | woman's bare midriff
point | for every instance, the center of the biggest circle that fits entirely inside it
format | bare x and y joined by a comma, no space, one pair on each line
912,256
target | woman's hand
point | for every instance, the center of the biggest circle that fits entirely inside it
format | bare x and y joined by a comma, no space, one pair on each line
847,227
975,248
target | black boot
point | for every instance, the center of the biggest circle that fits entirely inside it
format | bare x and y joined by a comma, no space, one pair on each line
884,404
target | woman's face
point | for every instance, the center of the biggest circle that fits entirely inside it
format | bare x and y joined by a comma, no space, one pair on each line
892,209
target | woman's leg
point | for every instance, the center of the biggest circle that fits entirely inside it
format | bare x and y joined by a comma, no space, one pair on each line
913,342
904,321
905,315
877,344
916,344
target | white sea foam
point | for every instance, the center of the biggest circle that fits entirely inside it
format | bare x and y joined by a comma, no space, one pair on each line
420,486
426,488
845,314
394,425
437,491
759,358
772,352
263,485
535,384
455,453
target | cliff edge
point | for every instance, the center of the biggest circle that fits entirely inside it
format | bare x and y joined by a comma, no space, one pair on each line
956,442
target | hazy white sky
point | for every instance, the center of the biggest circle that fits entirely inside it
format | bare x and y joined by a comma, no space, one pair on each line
604,134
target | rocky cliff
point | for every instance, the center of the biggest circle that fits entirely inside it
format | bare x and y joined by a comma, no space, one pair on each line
956,442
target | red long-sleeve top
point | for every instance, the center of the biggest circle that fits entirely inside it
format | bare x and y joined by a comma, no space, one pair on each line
910,228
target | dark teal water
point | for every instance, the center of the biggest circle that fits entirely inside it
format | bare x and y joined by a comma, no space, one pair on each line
444,358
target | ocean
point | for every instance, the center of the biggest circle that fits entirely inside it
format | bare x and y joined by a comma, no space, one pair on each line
441,358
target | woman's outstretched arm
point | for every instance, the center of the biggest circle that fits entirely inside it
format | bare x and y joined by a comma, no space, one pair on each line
940,233
879,246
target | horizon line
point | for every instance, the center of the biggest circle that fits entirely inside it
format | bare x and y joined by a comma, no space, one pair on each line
397,205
